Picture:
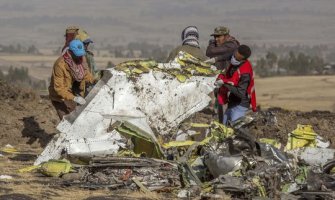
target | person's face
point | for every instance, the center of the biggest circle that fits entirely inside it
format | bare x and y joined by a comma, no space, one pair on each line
86,45
238,56
76,59
220,39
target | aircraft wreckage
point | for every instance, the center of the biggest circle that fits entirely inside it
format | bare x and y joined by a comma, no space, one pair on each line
129,135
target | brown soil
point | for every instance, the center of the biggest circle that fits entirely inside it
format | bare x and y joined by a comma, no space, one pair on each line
25,117
276,123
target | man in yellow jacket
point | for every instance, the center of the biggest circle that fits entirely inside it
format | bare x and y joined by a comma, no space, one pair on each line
69,78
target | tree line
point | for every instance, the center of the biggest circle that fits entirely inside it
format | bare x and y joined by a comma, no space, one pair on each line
294,63
32,49
20,76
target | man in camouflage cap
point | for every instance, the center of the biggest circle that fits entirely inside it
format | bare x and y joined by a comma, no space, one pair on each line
220,50
221,30
221,47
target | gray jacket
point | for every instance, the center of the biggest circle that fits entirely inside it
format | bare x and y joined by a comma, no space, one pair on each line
223,53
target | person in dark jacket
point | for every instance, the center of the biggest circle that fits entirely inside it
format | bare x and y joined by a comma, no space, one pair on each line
221,47
190,44
236,86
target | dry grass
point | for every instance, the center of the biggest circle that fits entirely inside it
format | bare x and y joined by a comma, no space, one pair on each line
40,66
48,60
305,93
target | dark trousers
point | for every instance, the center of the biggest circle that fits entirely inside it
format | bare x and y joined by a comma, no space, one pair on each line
64,107
220,113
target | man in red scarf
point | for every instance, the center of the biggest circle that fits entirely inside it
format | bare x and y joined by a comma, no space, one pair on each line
236,86
69,78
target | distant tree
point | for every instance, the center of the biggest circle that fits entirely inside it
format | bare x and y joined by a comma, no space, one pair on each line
331,56
18,48
261,68
17,74
2,76
283,63
118,53
32,50
11,49
302,65
110,64
271,59
317,64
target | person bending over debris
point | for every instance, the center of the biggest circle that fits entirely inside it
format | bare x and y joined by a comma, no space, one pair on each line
190,39
238,81
75,32
69,78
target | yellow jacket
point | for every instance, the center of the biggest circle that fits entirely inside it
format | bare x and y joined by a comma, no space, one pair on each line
60,88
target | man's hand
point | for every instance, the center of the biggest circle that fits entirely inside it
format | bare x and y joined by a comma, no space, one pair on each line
213,68
80,100
210,61
211,41
218,83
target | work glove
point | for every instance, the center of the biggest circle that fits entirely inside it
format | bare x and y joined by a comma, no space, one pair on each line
210,61
80,100
218,83
213,68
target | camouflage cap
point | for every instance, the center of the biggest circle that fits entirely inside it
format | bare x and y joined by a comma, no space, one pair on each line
221,30
83,36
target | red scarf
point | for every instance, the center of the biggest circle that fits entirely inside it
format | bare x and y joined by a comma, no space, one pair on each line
77,70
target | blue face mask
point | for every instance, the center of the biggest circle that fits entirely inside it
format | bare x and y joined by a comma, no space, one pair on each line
234,61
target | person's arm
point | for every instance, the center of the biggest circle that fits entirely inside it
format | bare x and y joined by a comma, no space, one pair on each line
92,63
88,78
227,54
172,55
59,83
241,89
224,52
210,47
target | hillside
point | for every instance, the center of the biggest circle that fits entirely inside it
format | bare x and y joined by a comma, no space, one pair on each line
43,22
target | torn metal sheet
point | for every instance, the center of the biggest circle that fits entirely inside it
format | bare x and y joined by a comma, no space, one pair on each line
272,154
117,172
107,144
154,102
314,156
231,184
221,165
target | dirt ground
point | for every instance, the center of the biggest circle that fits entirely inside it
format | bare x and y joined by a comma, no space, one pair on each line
27,121
25,117
276,123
